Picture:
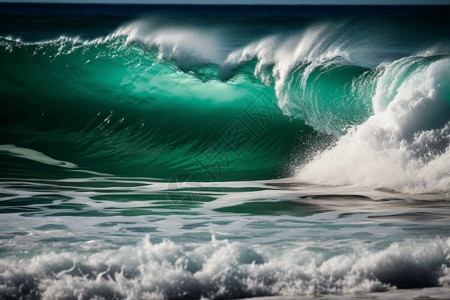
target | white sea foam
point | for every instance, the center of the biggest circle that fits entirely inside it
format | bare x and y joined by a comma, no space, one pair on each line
34,155
221,269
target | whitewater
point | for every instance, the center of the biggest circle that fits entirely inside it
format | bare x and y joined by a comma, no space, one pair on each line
190,152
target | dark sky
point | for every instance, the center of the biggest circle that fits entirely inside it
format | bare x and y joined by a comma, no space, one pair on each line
338,2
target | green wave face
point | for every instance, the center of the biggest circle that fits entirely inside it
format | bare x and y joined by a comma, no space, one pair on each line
116,108
331,97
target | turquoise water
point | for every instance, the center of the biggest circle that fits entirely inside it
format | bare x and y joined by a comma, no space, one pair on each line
153,152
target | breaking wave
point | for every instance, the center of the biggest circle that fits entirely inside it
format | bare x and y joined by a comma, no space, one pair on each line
146,101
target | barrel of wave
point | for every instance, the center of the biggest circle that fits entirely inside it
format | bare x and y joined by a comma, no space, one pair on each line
405,145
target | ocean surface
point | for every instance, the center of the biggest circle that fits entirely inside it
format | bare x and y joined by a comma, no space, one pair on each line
221,152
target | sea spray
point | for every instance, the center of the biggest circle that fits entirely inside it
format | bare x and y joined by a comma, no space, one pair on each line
405,145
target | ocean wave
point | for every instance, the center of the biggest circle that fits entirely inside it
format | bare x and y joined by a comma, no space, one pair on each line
150,90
